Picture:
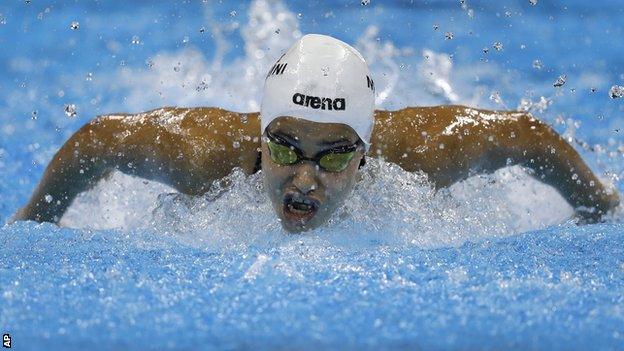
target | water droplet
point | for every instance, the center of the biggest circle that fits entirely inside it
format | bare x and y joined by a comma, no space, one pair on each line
176,68
2,19
448,35
233,13
592,89
89,77
185,40
365,2
202,29
149,63
537,64
574,176
277,31
299,15
616,91
136,40
441,146
325,71
507,13
435,27
202,86
561,80
495,96
34,115
498,46
74,25
61,93
70,110
48,198
533,2
236,144
486,50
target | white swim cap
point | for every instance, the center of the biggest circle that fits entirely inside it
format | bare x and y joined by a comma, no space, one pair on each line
321,79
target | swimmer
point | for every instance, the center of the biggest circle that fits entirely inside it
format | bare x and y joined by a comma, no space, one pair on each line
317,123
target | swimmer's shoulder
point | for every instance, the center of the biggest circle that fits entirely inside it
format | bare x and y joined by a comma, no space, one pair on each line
419,118
194,121
436,118
227,138
214,120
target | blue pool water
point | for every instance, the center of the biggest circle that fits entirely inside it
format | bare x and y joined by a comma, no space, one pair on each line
490,263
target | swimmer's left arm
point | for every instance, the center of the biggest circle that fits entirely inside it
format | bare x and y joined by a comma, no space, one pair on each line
519,138
554,161
451,143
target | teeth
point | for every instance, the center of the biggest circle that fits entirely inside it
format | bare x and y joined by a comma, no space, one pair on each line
301,206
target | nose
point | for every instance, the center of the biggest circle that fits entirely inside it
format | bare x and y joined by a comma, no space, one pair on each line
305,177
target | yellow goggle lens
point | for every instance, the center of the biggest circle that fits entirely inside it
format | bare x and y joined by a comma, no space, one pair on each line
282,155
336,162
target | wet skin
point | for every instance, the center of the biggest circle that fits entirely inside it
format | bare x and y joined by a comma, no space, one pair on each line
190,148
320,191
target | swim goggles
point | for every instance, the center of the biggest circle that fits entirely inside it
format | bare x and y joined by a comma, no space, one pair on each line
331,160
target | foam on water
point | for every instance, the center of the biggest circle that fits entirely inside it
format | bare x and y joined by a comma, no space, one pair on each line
388,206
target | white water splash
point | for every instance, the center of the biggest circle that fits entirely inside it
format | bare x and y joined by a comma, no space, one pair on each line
188,78
381,60
436,69
388,206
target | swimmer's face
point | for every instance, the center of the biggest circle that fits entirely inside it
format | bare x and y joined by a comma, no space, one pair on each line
304,194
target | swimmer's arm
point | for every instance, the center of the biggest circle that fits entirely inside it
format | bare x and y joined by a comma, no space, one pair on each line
79,164
554,161
518,138
187,154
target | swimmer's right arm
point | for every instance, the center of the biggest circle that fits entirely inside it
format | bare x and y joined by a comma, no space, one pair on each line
187,149
78,165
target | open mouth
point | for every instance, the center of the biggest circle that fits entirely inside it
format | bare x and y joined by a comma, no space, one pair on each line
299,208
